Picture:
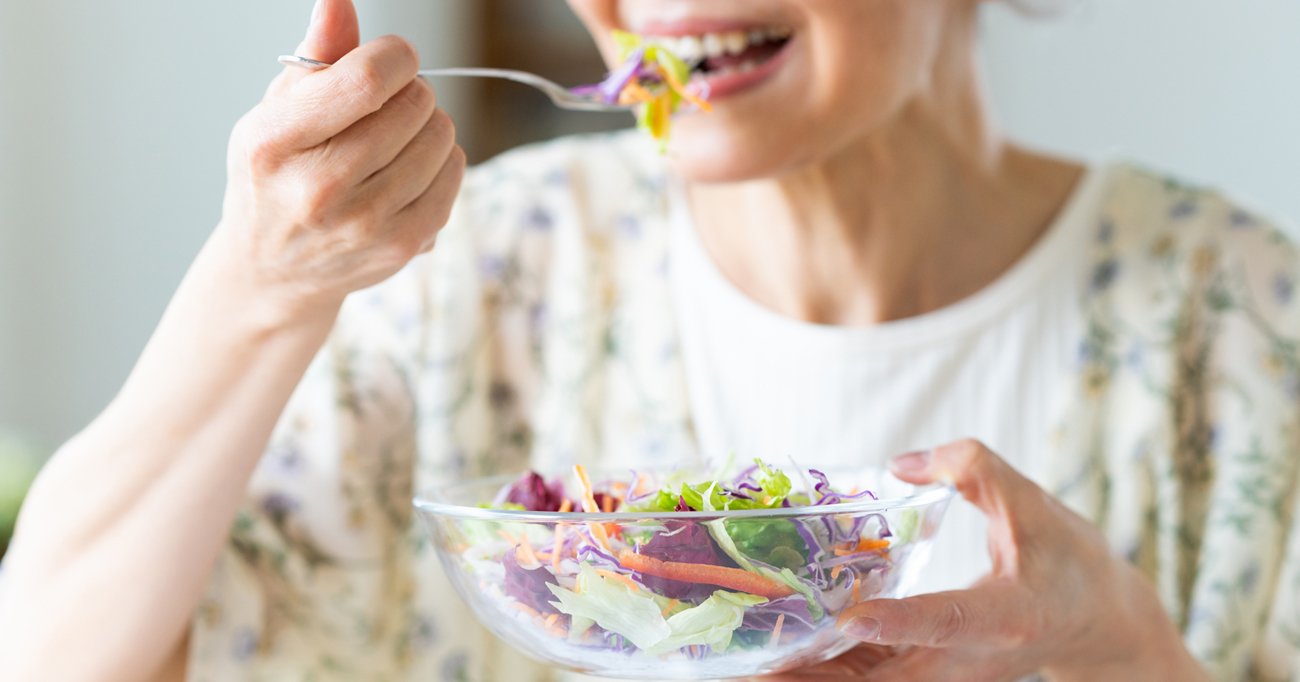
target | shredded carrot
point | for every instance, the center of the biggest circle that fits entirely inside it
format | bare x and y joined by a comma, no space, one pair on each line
566,506
524,552
857,591
554,617
598,530
558,546
682,90
776,630
607,505
618,577
722,576
637,489
864,545
526,609
584,484
505,535
669,609
634,93
835,572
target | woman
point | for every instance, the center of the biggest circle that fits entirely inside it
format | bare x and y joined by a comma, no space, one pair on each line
845,260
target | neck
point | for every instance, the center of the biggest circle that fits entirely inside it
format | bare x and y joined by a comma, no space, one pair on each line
917,215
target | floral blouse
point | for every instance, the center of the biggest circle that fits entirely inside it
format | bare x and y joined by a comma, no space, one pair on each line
539,333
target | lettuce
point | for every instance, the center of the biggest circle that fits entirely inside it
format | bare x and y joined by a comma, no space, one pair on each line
711,623
614,606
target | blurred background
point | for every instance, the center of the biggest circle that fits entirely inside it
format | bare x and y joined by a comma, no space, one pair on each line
114,118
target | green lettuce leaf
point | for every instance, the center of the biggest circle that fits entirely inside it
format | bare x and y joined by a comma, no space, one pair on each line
711,623
614,606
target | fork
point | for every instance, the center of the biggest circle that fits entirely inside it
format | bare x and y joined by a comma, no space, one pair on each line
558,94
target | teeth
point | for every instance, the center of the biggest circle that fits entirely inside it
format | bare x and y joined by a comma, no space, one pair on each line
689,48
697,48
735,42
713,45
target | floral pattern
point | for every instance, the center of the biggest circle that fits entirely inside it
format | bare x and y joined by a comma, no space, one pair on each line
539,332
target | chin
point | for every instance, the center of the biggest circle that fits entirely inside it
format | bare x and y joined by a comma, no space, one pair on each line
713,151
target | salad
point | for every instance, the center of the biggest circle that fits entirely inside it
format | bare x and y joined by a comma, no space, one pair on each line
695,587
654,77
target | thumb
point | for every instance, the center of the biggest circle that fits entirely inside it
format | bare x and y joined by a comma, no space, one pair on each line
333,31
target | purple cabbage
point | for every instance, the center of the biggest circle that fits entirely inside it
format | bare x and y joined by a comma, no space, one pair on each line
533,493
798,619
528,586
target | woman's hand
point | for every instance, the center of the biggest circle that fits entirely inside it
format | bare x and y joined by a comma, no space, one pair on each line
1057,601
338,177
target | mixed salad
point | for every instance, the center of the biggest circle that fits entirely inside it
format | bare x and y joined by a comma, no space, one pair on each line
697,587
654,77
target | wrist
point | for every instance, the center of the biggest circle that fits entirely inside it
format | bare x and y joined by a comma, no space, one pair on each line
1135,640
225,275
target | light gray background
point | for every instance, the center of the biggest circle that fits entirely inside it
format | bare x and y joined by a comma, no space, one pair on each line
114,117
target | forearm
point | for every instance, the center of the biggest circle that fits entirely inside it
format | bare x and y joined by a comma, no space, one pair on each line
120,531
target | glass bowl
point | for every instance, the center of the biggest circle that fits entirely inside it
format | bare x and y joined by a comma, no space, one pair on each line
717,595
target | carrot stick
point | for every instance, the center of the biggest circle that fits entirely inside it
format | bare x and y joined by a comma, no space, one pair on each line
776,630
566,506
634,93
558,544
682,90
668,609
835,572
589,505
618,577
584,484
722,576
864,545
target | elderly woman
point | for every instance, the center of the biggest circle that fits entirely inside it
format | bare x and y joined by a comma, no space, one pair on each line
845,260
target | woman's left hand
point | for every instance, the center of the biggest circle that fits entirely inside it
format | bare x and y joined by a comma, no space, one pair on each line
1056,602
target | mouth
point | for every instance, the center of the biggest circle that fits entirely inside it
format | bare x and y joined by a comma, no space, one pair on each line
724,53
725,57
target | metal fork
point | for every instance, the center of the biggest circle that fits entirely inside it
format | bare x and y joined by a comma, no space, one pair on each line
560,95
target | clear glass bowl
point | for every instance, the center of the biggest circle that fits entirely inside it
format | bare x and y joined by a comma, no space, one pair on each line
699,611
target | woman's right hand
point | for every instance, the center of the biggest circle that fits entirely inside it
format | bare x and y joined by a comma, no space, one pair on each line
338,177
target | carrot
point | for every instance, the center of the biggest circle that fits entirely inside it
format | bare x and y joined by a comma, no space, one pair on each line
776,630
682,90
607,505
634,93
668,609
864,545
584,484
857,591
598,530
835,572
558,543
566,506
618,577
524,552
722,576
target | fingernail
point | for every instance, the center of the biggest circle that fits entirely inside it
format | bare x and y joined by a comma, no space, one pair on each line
865,629
912,462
